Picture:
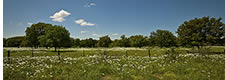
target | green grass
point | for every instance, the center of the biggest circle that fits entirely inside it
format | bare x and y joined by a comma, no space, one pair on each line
78,52
117,65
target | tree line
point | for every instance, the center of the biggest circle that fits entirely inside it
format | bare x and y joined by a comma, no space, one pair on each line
198,32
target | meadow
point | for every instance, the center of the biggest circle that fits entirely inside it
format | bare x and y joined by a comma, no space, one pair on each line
113,64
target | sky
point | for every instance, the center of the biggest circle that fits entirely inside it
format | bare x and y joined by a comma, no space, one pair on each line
96,18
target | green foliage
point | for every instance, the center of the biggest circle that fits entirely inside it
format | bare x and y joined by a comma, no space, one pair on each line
46,35
162,38
4,42
138,41
116,43
202,31
104,41
33,32
88,43
75,42
13,41
55,36
197,32
125,42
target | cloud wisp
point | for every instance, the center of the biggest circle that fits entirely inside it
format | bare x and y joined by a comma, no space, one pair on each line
59,16
29,23
82,22
90,4
84,32
115,34
96,35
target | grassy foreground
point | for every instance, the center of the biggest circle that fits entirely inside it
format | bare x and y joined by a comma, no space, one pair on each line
93,66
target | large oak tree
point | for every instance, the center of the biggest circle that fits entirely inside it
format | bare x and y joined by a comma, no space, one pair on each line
201,32
55,36
33,32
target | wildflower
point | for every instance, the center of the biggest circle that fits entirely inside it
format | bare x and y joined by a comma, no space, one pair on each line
125,65
203,71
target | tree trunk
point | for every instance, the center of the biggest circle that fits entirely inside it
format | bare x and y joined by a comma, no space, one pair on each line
35,47
55,49
32,52
200,49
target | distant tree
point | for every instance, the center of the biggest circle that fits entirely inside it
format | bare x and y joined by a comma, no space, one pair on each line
26,43
75,42
138,41
124,42
14,41
116,43
104,41
92,42
201,32
88,43
84,43
162,38
4,42
56,36
33,32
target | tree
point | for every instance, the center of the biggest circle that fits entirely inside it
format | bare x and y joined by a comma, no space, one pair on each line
56,36
88,43
124,42
201,32
75,42
14,41
104,41
25,43
162,38
116,43
43,41
4,42
138,41
33,32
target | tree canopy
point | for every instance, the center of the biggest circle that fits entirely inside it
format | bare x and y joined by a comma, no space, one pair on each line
33,32
13,41
201,32
46,35
87,43
198,32
55,36
138,41
75,42
162,38
104,41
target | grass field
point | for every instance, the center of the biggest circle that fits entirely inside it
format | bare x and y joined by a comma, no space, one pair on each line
116,64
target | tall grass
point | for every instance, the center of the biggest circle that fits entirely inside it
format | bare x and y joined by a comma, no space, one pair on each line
116,65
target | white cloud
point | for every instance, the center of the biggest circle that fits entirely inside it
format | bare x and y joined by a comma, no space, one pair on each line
82,22
115,34
79,21
83,32
87,24
90,4
96,35
29,23
59,16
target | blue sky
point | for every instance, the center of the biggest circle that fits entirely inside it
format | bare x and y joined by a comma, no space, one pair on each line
106,17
